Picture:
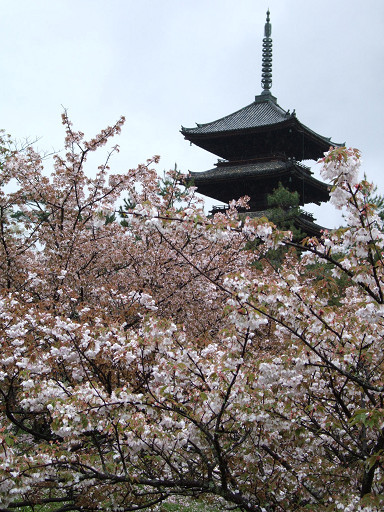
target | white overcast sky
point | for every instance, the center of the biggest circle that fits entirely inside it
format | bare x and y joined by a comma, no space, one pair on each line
167,63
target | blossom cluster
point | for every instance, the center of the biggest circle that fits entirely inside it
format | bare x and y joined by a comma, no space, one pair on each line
150,351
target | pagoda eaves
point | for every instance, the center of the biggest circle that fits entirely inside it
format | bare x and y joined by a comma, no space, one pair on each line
258,179
262,128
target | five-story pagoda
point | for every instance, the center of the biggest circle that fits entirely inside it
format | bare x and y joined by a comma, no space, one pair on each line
259,147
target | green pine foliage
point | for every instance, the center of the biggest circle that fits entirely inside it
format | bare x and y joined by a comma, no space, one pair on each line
284,209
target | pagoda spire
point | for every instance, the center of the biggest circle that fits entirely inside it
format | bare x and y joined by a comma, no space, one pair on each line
266,70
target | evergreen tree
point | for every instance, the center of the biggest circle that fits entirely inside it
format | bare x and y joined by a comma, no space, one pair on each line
284,209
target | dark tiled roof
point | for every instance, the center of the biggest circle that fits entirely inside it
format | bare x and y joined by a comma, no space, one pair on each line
256,169
259,113
241,170
259,129
257,179
308,226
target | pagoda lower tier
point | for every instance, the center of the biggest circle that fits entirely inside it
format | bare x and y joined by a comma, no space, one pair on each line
258,179
304,222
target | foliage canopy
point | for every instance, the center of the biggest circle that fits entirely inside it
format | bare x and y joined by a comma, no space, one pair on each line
151,358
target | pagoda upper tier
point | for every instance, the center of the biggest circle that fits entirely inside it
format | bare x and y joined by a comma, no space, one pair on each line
263,146
260,130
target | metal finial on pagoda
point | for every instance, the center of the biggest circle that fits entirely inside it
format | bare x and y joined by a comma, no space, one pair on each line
266,72
261,146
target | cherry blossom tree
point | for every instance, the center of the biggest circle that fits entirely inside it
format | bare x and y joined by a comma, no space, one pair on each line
147,353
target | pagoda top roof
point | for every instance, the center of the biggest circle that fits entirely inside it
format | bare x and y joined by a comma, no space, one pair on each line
262,128
264,114
264,111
